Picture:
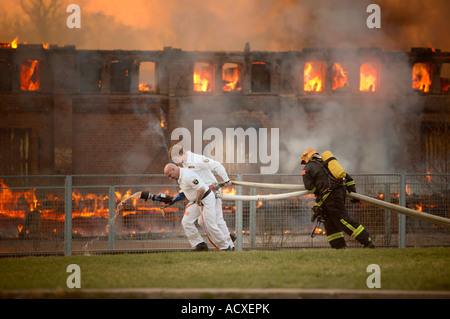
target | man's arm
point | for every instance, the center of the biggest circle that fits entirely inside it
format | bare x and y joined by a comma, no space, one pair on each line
308,180
200,194
217,167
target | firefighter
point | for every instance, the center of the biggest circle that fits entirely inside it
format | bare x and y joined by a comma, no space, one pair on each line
330,201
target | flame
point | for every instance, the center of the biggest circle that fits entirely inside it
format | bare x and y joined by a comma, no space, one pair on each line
340,77
421,76
230,77
419,208
368,77
313,75
144,87
45,45
319,231
12,44
428,177
408,190
16,204
162,124
229,191
29,75
203,77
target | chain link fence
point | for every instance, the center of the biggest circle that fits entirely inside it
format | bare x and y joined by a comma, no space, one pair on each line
65,215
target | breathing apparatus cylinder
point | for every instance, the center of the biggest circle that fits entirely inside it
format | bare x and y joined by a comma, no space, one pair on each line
333,165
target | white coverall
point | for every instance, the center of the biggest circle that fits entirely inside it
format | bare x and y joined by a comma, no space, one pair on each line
205,167
190,183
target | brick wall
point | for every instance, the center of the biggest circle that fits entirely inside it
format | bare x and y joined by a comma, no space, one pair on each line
75,132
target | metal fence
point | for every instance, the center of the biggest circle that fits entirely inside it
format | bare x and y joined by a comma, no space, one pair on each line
65,215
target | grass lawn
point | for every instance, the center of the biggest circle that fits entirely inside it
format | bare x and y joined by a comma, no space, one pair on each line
405,269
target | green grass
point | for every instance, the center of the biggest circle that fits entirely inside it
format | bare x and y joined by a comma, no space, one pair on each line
406,269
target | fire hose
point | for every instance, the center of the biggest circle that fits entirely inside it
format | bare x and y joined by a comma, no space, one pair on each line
402,210
438,220
262,197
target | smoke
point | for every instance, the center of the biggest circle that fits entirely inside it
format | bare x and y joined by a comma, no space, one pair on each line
269,25
356,129
367,132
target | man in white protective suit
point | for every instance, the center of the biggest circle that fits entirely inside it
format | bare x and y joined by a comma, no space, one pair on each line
205,167
201,207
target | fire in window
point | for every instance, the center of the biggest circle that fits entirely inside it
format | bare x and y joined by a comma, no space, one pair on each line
368,77
90,76
231,77
260,80
421,76
340,77
147,77
313,76
445,77
29,75
203,77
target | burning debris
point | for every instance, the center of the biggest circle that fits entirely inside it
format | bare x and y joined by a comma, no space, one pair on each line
24,214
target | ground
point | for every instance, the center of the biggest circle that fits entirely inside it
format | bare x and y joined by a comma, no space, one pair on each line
208,273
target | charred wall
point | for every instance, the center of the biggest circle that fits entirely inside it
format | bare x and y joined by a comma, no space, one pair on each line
88,112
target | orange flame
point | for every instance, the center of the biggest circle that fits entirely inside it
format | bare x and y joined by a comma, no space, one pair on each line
203,77
229,191
319,231
421,76
340,77
230,77
368,77
16,204
12,44
313,76
408,190
144,87
29,75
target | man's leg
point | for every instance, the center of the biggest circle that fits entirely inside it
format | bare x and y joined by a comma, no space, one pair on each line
335,206
209,224
221,222
191,214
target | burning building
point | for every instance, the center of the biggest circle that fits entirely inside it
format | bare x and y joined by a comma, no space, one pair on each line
69,111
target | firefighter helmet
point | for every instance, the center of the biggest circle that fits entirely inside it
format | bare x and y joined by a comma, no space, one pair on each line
307,154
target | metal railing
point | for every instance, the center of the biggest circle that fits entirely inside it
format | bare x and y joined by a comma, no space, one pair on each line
65,215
